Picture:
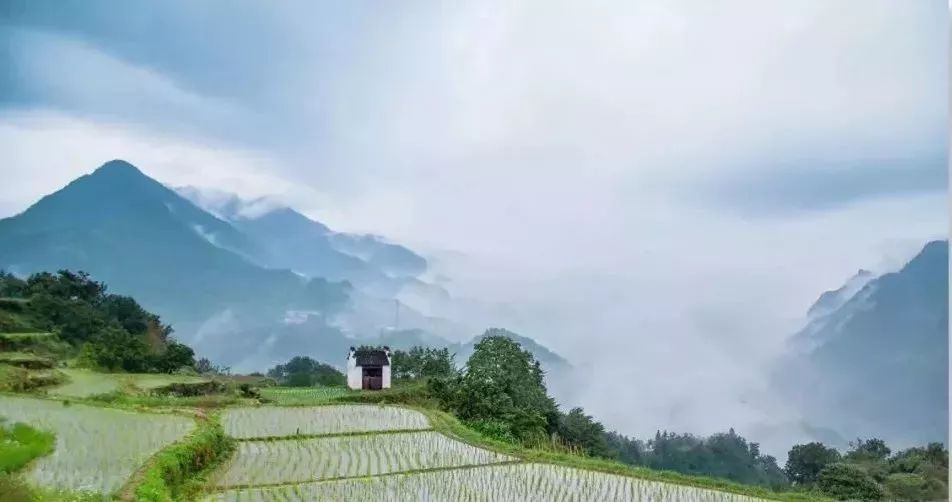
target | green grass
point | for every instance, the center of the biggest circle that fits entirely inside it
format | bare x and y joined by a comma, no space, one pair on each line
20,444
302,396
177,472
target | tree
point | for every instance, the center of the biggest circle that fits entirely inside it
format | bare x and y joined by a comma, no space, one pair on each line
848,482
805,461
420,362
176,356
306,372
870,450
582,431
502,385
114,349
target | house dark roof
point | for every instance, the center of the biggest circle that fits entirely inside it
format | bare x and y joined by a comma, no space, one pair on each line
371,358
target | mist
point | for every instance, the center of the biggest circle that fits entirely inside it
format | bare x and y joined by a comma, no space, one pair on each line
657,191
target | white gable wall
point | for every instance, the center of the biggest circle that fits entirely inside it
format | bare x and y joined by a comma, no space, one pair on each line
354,373
386,377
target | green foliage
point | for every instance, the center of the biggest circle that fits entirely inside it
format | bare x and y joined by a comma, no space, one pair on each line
849,482
501,382
870,450
420,362
306,372
582,431
913,487
113,332
914,474
20,444
493,429
172,471
725,455
805,461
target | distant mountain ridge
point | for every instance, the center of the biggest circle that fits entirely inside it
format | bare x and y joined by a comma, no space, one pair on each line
300,243
877,363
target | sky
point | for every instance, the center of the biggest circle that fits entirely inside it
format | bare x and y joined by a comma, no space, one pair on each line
666,182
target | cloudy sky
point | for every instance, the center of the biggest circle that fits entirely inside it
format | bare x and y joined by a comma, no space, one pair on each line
673,179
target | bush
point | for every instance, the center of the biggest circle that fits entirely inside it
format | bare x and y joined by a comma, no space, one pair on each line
849,482
190,389
906,486
494,429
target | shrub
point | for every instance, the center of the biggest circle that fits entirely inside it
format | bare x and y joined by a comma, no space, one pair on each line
849,482
190,389
494,429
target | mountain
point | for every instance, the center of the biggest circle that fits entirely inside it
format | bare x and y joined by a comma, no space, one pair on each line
143,239
292,240
832,300
876,363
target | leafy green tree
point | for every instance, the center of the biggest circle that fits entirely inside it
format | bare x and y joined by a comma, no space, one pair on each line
501,383
870,450
11,286
805,461
580,430
849,482
420,362
626,450
176,356
306,372
114,349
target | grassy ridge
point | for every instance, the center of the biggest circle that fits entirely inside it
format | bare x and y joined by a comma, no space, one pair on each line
452,427
178,471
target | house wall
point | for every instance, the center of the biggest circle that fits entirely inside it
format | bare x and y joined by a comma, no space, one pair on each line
355,374
386,377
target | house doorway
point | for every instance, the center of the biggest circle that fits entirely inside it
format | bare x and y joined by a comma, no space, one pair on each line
372,378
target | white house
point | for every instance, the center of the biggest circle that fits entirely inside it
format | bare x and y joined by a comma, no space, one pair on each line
368,369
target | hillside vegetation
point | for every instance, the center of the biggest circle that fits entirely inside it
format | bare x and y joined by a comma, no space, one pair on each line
103,331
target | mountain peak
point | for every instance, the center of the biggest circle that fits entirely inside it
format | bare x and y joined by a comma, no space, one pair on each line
118,166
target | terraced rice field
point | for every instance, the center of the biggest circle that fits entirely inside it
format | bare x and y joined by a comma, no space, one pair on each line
85,383
287,461
510,482
97,449
272,422
303,395
385,464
